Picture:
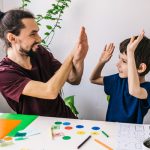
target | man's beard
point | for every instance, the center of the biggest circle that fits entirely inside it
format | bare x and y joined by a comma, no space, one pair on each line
24,52
29,53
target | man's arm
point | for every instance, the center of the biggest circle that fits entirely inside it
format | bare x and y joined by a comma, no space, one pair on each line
80,52
72,67
50,89
133,77
96,76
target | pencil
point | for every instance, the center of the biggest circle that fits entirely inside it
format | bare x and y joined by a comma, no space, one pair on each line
84,141
105,133
52,134
103,144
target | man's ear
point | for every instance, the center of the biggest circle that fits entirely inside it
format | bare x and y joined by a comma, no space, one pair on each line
11,38
142,68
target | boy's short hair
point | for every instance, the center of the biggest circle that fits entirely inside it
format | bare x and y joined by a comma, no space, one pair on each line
142,53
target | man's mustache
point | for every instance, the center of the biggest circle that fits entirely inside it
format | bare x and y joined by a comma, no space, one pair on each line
34,44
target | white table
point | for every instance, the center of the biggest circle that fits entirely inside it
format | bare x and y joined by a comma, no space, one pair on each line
119,135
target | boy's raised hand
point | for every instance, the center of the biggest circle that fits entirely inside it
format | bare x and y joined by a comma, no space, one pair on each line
134,42
107,53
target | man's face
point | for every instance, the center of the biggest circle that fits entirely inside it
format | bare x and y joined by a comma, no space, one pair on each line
28,39
122,65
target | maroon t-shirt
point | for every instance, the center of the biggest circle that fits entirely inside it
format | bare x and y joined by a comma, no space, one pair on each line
13,79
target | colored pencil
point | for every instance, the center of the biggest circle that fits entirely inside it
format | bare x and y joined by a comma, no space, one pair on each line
52,134
105,133
103,144
84,141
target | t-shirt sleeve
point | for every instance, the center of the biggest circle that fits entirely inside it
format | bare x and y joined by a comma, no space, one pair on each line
12,84
109,83
146,103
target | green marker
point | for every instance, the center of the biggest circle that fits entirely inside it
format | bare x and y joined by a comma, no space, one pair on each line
105,134
20,138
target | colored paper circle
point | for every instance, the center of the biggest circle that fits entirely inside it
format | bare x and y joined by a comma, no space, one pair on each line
79,126
95,133
66,138
58,123
7,138
68,128
95,128
80,132
66,123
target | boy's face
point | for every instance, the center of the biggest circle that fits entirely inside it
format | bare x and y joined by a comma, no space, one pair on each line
122,65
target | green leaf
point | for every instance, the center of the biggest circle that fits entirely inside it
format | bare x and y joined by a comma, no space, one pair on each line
47,33
43,41
54,5
45,45
49,11
48,27
66,5
108,98
47,17
53,18
27,1
54,14
69,101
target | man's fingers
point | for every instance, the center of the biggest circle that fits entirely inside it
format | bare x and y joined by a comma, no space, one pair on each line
82,36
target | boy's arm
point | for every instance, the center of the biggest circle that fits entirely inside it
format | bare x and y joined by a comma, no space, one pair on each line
96,77
133,77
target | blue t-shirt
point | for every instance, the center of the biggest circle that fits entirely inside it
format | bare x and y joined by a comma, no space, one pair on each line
124,107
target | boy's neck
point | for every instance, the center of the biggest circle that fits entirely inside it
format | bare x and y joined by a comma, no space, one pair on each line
142,79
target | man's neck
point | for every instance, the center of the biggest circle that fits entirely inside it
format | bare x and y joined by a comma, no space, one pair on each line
22,60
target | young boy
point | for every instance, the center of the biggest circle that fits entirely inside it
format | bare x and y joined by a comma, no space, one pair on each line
128,90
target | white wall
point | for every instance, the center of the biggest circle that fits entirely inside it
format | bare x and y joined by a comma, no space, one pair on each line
105,21
3,105
1,4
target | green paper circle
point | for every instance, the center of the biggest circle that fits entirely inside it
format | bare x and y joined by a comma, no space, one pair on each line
66,138
58,123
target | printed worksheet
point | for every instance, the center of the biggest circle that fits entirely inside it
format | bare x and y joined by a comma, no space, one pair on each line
131,136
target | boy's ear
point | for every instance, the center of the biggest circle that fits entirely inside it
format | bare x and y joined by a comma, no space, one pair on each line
142,68
11,38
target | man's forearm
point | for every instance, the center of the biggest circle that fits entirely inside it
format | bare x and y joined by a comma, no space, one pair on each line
60,77
76,73
51,88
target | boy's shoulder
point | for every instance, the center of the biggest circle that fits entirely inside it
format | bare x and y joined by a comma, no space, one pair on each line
145,84
114,80
116,75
